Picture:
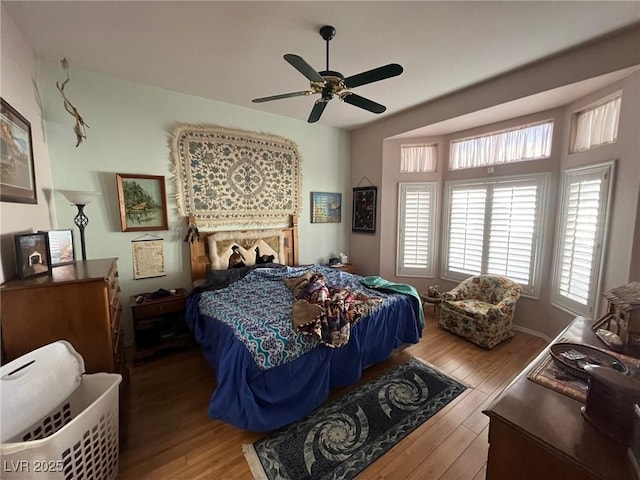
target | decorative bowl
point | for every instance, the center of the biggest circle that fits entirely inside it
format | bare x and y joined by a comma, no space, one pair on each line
573,357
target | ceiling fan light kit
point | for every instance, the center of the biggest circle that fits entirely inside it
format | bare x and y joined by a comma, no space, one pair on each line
329,83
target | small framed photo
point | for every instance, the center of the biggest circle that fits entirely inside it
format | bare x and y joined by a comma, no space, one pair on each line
17,173
326,207
143,202
61,247
364,209
32,255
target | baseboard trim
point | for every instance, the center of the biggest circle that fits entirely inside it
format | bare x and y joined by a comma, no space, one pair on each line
532,332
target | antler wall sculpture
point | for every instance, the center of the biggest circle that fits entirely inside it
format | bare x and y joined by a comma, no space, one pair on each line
79,127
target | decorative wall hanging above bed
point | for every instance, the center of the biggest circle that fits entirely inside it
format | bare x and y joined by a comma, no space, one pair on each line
235,177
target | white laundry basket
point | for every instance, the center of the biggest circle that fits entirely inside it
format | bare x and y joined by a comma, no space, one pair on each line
58,423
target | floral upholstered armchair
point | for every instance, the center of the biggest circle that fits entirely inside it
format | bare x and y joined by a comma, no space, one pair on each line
480,309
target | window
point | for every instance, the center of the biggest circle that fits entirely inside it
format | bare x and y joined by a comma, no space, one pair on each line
581,234
416,229
418,158
491,228
527,142
596,125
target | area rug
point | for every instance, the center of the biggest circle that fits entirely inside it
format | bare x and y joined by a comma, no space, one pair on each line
344,436
235,177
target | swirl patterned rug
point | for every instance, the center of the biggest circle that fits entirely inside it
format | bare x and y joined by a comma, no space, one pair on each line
342,437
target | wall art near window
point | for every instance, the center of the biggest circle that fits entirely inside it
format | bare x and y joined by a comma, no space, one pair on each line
326,207
364,209
32,255
17,173
143,202
61,247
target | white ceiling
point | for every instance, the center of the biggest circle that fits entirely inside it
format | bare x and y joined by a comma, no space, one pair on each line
232,51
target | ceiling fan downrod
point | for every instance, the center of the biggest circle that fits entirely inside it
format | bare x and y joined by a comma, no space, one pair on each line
327,33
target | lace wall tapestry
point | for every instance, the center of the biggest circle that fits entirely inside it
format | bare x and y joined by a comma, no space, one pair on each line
235,177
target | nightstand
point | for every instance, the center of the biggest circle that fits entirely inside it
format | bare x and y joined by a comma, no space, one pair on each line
158,323
345,267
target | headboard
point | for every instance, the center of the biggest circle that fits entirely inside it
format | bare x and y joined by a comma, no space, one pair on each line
201,258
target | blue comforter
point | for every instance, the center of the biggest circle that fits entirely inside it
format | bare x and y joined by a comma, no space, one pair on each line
269,375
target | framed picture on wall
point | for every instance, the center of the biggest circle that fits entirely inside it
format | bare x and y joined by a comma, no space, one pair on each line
17,173
143,202
61,247
364,209
326,207
32,255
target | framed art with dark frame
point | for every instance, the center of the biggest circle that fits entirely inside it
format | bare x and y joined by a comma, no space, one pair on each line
364,209
326,207
143,202
17,172
61,247
32,255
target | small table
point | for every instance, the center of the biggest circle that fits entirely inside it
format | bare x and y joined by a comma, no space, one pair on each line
344,267
158,323
435,301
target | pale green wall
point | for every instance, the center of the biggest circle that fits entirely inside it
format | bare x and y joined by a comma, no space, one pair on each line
129,132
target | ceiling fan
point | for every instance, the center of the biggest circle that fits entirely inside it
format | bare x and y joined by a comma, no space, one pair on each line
329,83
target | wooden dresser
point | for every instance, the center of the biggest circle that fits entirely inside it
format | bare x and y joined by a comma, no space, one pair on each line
79,303
538,433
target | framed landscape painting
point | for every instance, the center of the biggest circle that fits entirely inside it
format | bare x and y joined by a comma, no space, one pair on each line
143,202
17,173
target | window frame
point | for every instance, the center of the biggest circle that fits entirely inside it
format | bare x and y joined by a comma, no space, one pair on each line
429,271
532,289
607,171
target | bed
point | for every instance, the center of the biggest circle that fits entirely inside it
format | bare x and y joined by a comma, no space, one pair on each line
268,373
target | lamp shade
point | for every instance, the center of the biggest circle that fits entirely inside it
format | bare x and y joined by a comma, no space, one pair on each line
79,197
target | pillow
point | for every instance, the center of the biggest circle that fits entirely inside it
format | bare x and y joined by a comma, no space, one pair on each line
270,242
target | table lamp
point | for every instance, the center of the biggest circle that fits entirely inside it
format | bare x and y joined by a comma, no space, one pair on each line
80,199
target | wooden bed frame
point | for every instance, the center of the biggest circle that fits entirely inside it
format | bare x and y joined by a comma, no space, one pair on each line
199,250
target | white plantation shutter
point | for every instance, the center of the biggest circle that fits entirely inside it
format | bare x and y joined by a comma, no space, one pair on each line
466,229
491,227
511,238
416,228
581,235
597,125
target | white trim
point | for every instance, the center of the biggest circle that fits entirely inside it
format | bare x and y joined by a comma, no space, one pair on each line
533,333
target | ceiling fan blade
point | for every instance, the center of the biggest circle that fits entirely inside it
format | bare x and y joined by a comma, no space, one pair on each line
365,103
370,76
317,110
283,95
303,67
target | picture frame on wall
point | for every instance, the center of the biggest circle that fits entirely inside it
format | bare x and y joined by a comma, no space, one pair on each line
17,172
32,255
326,207
143,202
364,209
61,247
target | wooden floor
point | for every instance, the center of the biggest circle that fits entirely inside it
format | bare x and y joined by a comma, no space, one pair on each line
168,435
